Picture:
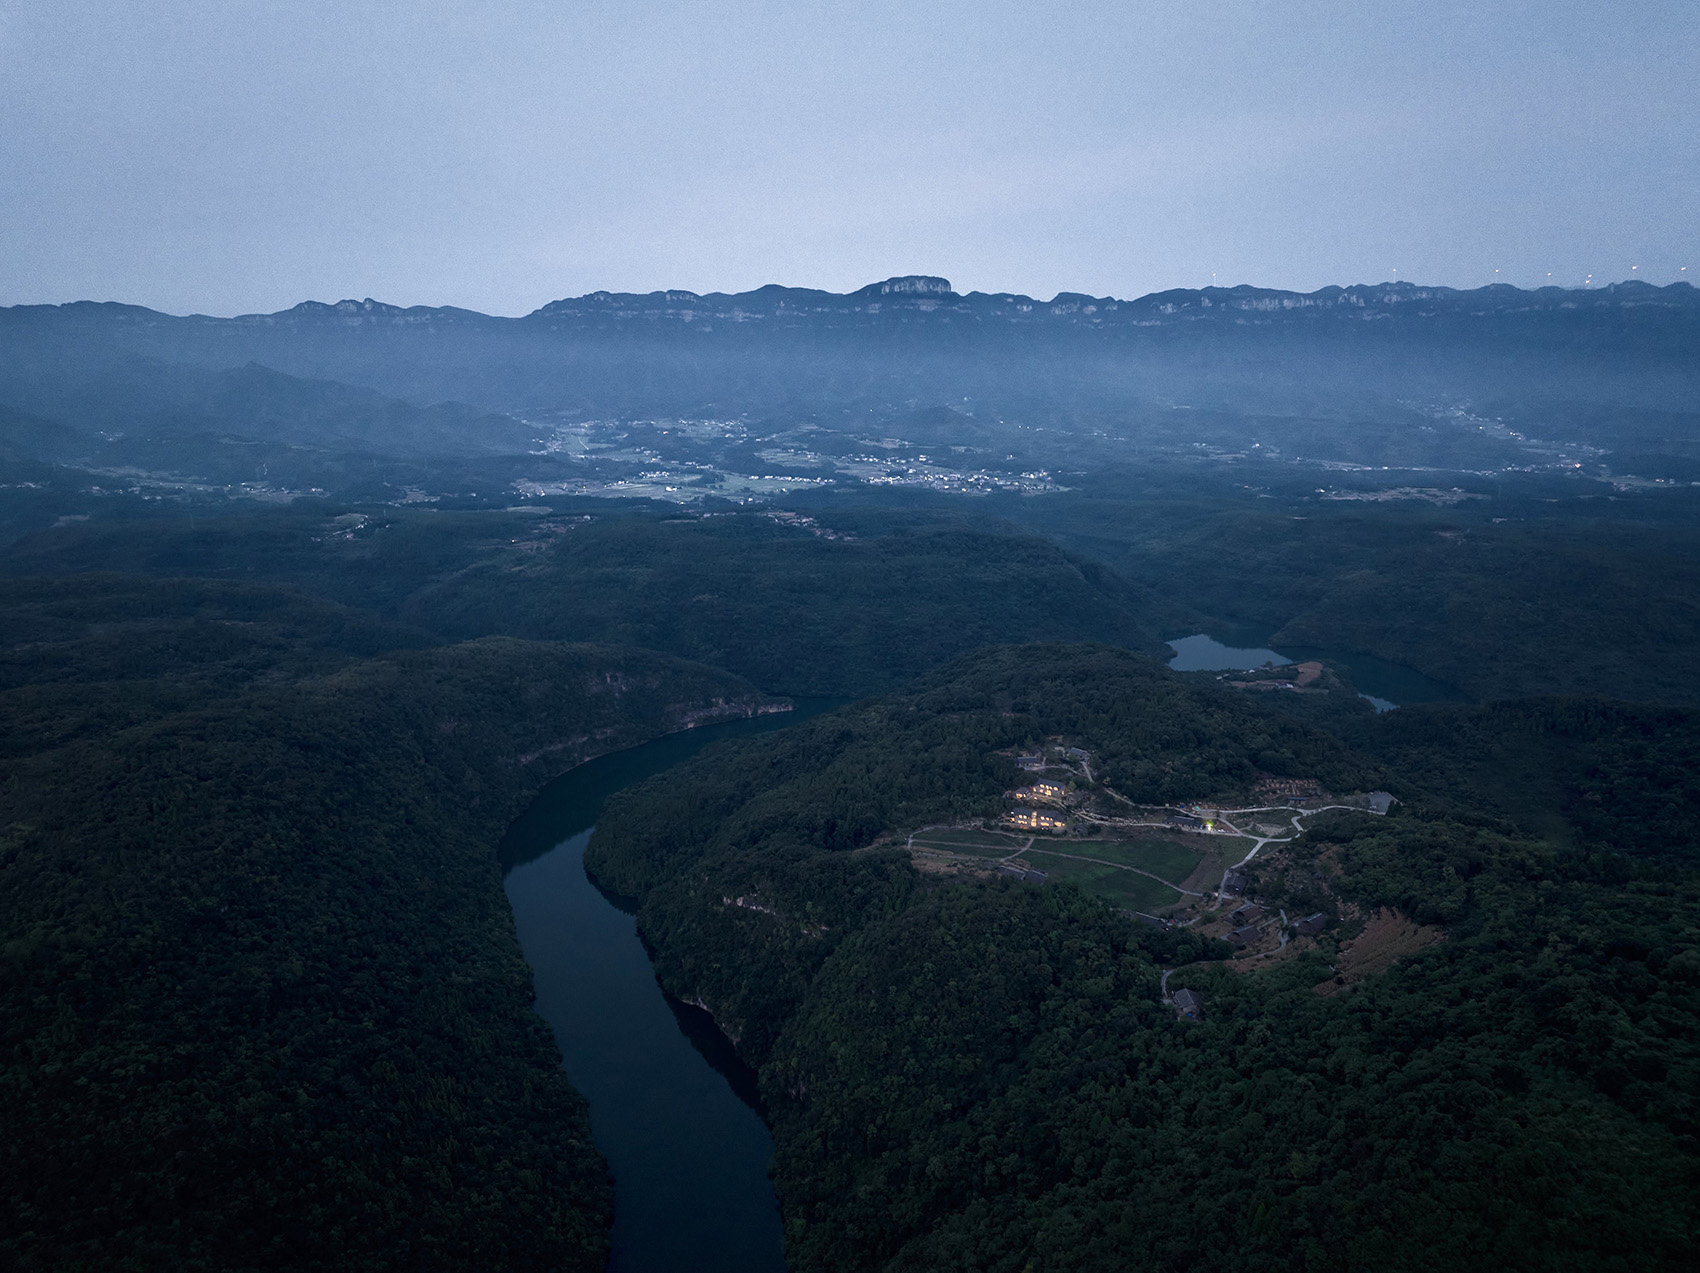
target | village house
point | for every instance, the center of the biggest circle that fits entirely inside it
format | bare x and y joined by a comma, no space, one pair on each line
1250,913
1188,1004
1034,820
1311,925
1234,882
1032,764
1046,789
1022,873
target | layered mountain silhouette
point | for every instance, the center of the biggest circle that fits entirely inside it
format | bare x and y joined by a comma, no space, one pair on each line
368,376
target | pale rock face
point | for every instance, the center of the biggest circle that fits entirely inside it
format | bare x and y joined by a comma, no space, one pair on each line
917,284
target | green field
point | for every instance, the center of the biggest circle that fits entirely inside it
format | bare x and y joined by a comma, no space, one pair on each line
1163,858
1123,888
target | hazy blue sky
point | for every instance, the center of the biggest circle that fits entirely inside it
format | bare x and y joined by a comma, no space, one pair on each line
226,156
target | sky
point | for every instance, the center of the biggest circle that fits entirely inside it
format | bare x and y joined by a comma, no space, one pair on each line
228,156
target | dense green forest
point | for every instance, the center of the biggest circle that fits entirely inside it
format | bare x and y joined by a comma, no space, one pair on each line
982,1075
794,611
263,1003
264,1007
296,610
1500,597
1541,601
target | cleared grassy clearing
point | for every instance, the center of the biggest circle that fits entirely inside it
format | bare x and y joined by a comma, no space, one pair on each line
1230,848
1123,888
1163,858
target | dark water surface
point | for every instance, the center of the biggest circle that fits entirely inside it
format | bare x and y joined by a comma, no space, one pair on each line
1384,684
671,1106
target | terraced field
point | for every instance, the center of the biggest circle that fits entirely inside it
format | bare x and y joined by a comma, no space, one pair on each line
970,841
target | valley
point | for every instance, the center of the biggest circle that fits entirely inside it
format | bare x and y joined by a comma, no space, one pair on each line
1209,801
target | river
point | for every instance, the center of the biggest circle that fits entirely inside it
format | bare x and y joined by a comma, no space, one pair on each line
671,1106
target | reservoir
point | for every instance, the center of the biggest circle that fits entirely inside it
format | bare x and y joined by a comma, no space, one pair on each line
671,1106
1385,684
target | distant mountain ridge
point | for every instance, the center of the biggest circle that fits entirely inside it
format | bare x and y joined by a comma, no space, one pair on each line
916,295
889,349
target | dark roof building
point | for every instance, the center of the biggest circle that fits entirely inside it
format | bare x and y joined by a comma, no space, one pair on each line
1311,925
1188,1004
1043,789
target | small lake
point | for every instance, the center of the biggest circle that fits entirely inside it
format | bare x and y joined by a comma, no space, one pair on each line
1205,654
1385,684
671,1106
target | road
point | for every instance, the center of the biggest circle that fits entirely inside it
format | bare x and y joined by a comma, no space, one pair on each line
1260,841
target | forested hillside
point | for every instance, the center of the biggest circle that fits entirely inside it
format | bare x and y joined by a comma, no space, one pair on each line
787,607
982,1074
263,1004
1501,597
796,613
792,829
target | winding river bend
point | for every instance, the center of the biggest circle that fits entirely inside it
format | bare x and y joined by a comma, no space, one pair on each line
671,1106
